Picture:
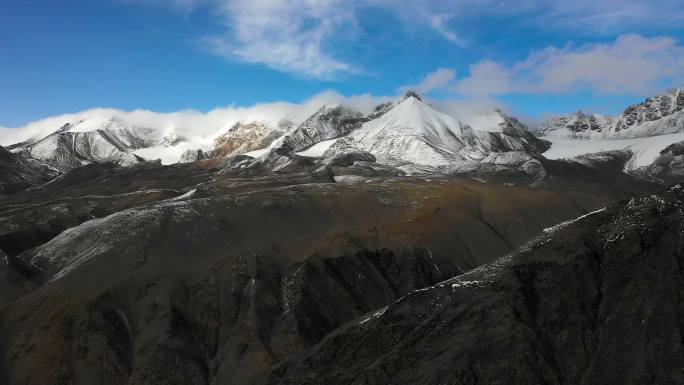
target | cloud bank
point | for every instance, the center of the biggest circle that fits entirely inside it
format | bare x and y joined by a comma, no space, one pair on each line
196,126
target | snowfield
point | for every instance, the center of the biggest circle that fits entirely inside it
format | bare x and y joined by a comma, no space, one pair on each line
317,150
645,150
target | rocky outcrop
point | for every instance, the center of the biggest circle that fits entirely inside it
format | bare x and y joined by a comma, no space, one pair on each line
596,300
244,137
669,165
666,109
659,115
19,173
193,155
329,122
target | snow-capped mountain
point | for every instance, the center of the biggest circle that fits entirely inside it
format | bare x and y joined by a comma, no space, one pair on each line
645,129
413,132
408,134
97,139
659,115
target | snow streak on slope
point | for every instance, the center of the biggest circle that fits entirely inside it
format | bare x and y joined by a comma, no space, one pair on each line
317,149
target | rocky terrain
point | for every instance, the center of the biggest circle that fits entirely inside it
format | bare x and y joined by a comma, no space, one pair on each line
396,246
18,173
596,300
659,115
198,273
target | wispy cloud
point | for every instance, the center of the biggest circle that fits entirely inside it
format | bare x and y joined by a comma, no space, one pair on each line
306,37
302,37
285,35
630,64
439,78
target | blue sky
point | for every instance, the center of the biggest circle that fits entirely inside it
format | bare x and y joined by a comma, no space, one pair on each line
535,57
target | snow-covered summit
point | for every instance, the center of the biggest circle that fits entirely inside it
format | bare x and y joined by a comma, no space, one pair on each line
659,115
413,132
645,129
98,139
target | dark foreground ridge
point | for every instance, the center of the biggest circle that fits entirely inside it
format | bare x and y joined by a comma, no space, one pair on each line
200,274
596,301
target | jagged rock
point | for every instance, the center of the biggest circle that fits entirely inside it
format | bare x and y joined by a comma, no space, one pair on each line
243,137
657,115
193,155
18,173
412,94
595,300
669,165
348,158
329,122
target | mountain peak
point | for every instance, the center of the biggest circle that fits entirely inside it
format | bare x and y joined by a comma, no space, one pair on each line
412,94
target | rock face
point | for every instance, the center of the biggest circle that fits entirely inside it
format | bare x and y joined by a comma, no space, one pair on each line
660,115
242,137
669,165
594,301
327,123
408,135
193,156
18,173
577,125
91,141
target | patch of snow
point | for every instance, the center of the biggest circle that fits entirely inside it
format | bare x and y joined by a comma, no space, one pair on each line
350,179
374,315
553,229
258,153
317,150
184,196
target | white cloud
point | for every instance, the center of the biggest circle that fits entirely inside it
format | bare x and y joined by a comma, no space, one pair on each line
285,35
486,78
437,79
304,36
593,17
438,22
630,64
196,126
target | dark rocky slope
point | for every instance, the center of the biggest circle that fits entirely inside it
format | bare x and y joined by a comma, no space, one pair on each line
194,274
18,173
597,301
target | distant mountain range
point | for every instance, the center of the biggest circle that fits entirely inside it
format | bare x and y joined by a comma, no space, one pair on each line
407,134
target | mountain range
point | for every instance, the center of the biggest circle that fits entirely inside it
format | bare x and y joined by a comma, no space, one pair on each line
407,134
393,246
